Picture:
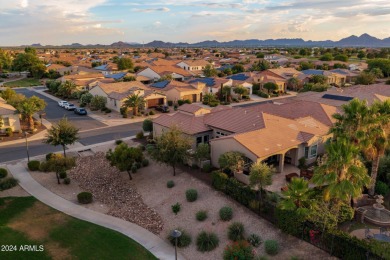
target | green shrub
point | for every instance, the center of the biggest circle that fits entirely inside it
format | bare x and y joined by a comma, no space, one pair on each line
262,94
206,167
388,82
254,239
183,241
201,215
170,184
176,208
8,183
226,213
187,101
8,132
151,112
141,147
3,173
33,165
145,162
138,165
206,242
84,197
134,168
48,156
140,135
239,250
66,180
382,188
236,231
180,102
271,247
170,103
218,180
44,167
62,174
57,161
118,142
191,195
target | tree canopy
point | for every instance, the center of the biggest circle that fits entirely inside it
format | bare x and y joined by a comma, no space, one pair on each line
63,133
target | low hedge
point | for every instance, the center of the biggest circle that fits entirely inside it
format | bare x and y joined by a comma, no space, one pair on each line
8,183
34,165
3,173
84,197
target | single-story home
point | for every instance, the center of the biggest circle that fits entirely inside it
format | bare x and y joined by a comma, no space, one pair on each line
8,117
176,90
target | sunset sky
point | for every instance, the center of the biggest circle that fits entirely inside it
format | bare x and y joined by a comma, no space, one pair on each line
107,21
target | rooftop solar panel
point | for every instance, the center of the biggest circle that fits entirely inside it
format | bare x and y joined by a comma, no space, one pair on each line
161,84
337,97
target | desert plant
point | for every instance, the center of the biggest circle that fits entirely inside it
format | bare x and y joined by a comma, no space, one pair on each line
226,213
3,173
271,247
176,208
239,250
145,162
236,231
201,215
206,241
134,168
206,167
63,174
33,165
170,184
151,112
141,147
138,165
84,197
8,132
118,142
183,241
8,183
191,195
48,156
254,239
66,181
140,135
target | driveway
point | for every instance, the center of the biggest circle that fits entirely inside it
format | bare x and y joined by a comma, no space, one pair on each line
54,113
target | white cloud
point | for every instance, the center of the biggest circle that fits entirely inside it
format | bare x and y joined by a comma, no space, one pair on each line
149,10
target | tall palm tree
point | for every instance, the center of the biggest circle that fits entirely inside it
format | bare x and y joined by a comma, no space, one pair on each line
298,196
208,97
28,107
341,171
260,175
67,88
134,101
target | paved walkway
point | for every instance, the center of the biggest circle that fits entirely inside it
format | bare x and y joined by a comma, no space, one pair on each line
151,242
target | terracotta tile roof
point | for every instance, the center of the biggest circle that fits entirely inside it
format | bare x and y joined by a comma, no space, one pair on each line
121,87
190,108
6,109
55,67
195,62
163,62
83,76
189,124
165,70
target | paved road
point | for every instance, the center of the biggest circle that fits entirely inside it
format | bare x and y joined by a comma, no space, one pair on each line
54,113
18,151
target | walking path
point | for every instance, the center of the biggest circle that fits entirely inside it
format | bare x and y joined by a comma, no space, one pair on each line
151,242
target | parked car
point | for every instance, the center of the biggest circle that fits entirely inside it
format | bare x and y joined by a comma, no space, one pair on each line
70,106
80,111
62,103
164,109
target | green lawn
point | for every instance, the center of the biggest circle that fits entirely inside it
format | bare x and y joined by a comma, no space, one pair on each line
26,221
26,82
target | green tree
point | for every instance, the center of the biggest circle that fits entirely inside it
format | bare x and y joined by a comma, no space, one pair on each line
28,62
5,60
298,196
326,57
231,161
134,101
125,64
261,65
38,70
377,72
361,55
147,125
319,79
209,98
306,65
66,89
341,57
28,107
86,98
98,102
270,87
365,78
124,157
226,93
261,176
209,71
382,64
31,50
63,133
238,68
260,55
129,78
293,83
240,90
172,148
202,152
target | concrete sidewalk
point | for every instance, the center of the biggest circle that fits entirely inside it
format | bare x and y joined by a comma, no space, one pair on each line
151,242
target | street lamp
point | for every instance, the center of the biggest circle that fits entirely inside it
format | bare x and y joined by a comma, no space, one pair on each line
28,155
176,234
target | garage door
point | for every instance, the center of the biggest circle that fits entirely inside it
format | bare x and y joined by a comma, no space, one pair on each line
155,102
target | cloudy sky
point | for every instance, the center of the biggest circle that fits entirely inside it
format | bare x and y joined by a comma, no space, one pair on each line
107,21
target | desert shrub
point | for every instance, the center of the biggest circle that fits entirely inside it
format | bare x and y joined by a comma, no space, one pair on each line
8,132
201,215
141,147
180,102
183,241
191,195
176,208
381,188
206,241
8,183
170,184
134,168
140,135
254,239
57,161
271,247
66,180
138,165
48,156
3,173
236,231
33,165
145,162
84,197
151,112
118,142
239,250
44,167
206,167
226,213
62,174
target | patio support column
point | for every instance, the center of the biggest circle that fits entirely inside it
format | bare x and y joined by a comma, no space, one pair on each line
281,163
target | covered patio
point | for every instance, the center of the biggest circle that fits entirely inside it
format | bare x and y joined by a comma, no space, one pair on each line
279,179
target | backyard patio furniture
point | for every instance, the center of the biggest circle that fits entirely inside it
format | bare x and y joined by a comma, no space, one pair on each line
307,173
290,176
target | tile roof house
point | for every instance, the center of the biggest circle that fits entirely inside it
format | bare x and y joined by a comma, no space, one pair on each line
196,66
176,90
157,72
8,117
213,84
333,78
116,93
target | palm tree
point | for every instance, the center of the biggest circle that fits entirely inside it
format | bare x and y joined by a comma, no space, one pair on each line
208,97
135,102
67,88
341,171
298,196
260,175
64,133
28,107
240,90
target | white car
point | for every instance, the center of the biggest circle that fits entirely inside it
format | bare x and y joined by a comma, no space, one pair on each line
62,103
69,106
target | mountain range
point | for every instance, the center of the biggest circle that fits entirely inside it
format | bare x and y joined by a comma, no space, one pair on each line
364,40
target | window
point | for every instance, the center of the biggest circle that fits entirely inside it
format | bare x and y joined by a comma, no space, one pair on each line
306,152
206,139
6,121
311,151
198,140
